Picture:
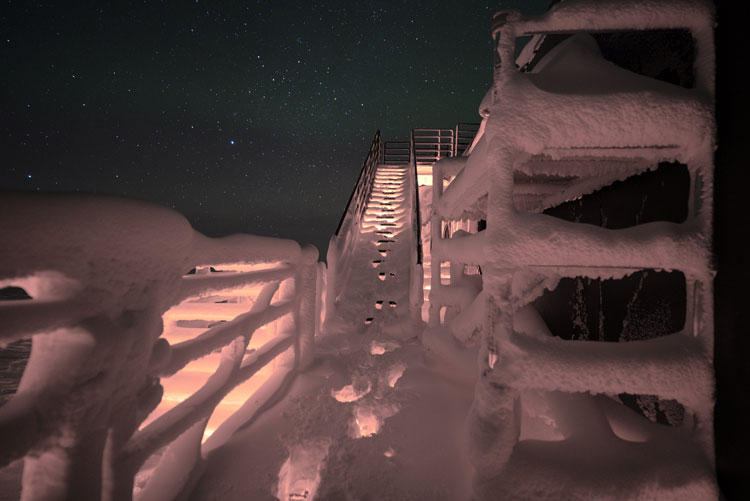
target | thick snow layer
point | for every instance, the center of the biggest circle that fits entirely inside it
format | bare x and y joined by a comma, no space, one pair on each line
85,254
397,442
586,15
579,100
672,367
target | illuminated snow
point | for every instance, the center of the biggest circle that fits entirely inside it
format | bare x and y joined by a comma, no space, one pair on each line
380,347
394,373
350,394
299,476
369,417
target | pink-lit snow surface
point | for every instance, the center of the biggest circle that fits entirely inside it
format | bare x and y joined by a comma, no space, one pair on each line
376,417
400,442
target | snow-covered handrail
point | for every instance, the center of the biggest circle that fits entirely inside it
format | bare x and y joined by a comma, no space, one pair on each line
101,272
342,243
358,199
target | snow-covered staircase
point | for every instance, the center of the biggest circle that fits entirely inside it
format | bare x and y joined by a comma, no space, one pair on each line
387,222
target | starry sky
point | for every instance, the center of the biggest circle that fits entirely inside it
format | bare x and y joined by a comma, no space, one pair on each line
250,117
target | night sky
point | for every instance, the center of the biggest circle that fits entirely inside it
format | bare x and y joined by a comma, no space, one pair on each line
250,117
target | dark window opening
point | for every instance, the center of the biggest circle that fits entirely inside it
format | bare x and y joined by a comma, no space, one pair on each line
667,412
13,293
656,195
643,305
665,55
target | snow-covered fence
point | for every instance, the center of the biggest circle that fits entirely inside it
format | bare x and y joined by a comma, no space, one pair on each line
583,123
342,243
101,272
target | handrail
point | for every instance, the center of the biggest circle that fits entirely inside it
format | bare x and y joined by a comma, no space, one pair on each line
364,182
430,145
396,152
464,136
417,216
105,271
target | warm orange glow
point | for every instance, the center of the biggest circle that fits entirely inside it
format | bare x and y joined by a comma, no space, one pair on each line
369,417
193,317
350,394
299,476
394,373
367,422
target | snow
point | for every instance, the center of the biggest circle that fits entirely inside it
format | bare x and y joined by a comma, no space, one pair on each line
348,396
98,296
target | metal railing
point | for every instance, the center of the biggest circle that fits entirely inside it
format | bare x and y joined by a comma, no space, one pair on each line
430,145
417,215
355,207
396,152
464,136
341,245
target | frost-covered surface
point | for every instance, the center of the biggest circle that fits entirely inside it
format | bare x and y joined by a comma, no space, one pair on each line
573,125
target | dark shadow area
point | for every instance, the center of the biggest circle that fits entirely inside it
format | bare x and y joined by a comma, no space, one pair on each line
731,230
13,358
665,55
644,305
656,195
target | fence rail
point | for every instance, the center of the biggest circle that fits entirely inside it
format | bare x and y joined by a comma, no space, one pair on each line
102,272
430,145
396,152
464,136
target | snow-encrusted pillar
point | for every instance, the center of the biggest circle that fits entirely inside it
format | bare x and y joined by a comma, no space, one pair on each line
435,250
330,290
499,20
494,421
306,281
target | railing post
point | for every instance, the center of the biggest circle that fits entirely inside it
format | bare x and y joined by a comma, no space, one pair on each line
494,421
305,296
320,297
331,283
435,251
499,20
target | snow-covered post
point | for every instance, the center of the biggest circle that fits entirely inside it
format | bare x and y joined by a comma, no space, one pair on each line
494,421
498,22
320,297
436,234
416,293
332,261
306,297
